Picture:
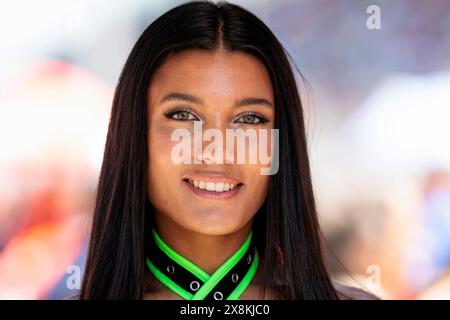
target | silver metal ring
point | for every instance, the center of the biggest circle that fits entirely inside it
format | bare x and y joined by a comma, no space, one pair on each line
234,277
194,285
249,258
170,269
218,295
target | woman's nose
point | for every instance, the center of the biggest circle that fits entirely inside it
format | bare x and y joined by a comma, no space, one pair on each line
213,148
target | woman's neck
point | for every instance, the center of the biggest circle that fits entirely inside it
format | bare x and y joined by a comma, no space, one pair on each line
208,252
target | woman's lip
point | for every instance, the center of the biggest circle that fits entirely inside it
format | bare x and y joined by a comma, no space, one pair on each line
212,194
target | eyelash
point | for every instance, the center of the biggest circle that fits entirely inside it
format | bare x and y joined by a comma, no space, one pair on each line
261,118
170,115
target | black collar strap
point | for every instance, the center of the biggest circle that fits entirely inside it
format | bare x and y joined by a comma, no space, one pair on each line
190,282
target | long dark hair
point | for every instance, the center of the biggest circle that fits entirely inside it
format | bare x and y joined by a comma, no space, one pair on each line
291,255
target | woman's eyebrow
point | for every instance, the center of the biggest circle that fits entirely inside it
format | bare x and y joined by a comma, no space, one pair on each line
253,101
182,96
197,100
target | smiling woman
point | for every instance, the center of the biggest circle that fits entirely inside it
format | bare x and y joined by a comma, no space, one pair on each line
211,229
216,82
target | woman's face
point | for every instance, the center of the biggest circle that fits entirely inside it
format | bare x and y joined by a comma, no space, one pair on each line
220,90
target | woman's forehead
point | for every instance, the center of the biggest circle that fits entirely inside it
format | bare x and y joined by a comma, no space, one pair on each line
212,74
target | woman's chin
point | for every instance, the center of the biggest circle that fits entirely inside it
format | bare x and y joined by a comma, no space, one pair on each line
214,223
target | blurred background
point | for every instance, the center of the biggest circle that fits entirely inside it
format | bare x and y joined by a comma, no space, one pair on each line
377,107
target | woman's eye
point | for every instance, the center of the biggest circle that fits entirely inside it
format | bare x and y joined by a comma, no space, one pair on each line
251,119
182,115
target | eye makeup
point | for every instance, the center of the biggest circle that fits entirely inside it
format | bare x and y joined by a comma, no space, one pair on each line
187,114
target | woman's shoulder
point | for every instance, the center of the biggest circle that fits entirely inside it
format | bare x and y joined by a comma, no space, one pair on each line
346,292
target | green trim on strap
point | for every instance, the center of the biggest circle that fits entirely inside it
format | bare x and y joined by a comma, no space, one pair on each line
168,282
210,281
246,280
222,270
185,263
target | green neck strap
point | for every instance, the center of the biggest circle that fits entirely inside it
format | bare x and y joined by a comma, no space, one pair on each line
190,282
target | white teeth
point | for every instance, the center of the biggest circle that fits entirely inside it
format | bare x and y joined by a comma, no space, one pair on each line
212,186
219,187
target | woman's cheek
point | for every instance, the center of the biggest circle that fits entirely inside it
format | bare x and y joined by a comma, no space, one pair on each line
259,181
160,169
162,174
161,141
